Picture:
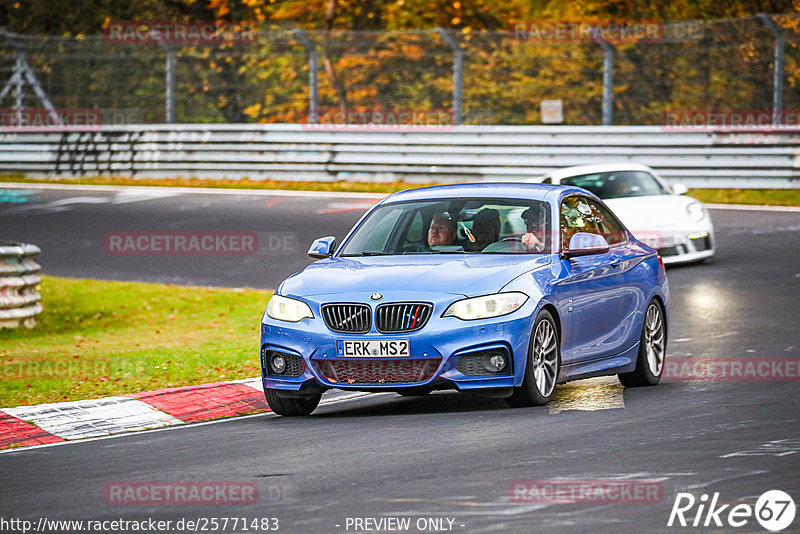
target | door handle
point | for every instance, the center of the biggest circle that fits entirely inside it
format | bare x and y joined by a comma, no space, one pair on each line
616,262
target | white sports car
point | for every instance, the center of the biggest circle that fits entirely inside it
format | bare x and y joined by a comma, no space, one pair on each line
657,214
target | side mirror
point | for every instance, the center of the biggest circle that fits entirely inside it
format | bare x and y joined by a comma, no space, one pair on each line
585,244
322,247
679,189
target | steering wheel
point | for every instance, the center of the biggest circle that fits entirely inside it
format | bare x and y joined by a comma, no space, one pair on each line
512,243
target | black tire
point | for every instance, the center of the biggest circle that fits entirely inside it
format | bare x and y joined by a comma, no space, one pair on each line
652,350
543,362
291,407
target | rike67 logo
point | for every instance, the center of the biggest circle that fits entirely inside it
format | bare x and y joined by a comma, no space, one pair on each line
774,510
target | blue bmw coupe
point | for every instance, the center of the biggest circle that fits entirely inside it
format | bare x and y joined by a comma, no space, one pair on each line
500,289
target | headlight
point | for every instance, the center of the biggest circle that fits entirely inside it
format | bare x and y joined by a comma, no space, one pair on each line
696,211
487,306
286,309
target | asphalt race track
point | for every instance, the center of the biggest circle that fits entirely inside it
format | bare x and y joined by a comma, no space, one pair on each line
446,456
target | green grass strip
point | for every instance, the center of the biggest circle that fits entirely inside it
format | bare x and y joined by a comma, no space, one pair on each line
98,338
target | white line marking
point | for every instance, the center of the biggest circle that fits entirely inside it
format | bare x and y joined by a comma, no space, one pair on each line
75,200
777,448
194,190
126,197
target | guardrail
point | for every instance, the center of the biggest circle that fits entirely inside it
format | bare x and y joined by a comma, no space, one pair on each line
20,301
723,158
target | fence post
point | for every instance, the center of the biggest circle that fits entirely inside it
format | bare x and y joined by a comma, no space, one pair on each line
608,79
777,75
170,74
18,92
458,70
313,86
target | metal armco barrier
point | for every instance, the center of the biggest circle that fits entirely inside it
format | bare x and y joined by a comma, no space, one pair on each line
20,301
754,159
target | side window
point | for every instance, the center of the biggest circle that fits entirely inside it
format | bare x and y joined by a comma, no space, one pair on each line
576,216
582,214
608,225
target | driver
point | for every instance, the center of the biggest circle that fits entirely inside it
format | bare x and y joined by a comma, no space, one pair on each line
442,231
618,187
535,236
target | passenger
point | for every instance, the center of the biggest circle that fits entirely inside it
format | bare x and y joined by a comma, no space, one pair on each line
485,229
536,236
442,231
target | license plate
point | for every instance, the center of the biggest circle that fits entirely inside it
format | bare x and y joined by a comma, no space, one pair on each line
372,348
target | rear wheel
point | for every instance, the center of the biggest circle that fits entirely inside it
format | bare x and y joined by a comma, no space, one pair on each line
291,406
652,348
541,370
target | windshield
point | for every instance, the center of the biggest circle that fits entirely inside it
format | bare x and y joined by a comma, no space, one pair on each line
457,226
618,184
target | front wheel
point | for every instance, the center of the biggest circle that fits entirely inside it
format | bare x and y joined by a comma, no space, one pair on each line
652,348
541,369
292,406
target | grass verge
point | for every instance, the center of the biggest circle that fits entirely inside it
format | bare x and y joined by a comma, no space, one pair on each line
97,338
756,197
760,197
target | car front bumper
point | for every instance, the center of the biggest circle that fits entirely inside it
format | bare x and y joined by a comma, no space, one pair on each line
435,351
681,245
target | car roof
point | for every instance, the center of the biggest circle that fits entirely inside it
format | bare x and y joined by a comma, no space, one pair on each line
514,190
579,170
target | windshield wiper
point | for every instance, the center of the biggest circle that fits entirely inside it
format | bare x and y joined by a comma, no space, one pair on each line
373,253
408,252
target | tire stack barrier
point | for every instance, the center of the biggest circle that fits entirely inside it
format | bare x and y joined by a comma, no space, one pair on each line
20,275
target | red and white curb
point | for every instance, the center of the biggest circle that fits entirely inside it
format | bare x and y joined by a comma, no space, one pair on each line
62,421
51,424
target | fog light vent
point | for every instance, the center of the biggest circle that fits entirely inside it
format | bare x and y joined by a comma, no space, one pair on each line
274,363
488,362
